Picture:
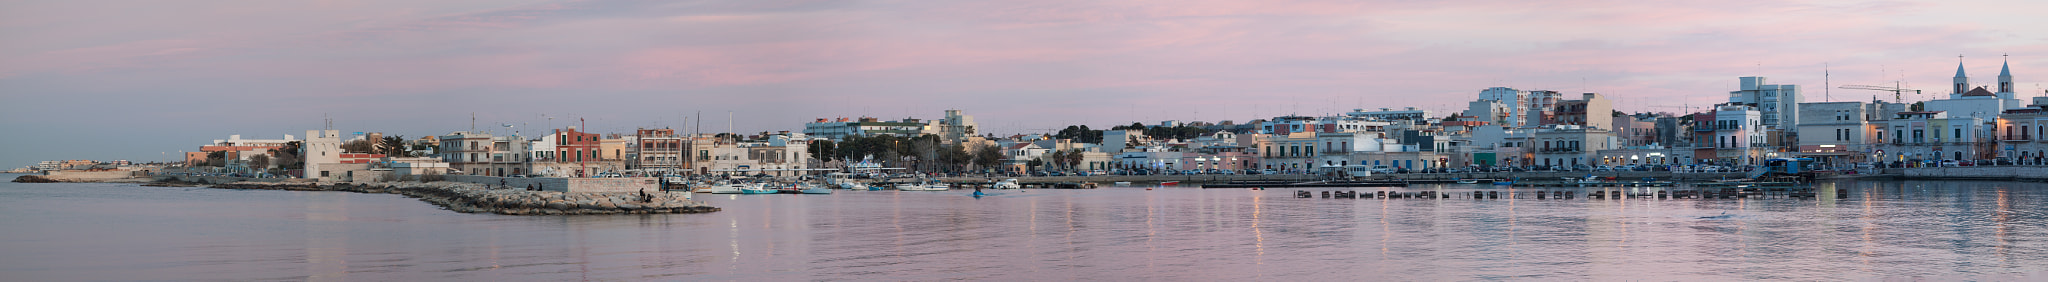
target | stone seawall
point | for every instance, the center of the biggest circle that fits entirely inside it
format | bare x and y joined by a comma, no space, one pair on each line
479,198
2010,173
1215,178
567,185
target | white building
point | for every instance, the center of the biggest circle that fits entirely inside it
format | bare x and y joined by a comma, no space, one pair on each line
1966,101
1513,106
321,147
1779,104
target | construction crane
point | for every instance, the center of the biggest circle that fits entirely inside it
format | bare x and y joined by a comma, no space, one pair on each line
1898,94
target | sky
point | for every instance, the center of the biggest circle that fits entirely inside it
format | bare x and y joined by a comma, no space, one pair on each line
109,80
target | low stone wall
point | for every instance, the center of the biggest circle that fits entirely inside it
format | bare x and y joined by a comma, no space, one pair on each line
88,176
479,198
2025,173
223,179
1211,178
566,185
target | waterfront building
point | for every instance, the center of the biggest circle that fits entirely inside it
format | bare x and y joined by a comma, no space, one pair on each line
841,128
1540,107
1569,145
1733,134
1289,152
1590,111
1017,156
1492,111
655,151
1287,124
235,149
1841,133
2020,133
1964,100
1934,136
480,153
1513,106
1777,105
321,148
1636,131
778,155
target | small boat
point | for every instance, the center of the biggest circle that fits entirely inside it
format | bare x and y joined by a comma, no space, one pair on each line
1468,181
1588,179
933,185
814,189
1007,184
758,190
1169,183
725,189
1504,182
1121,184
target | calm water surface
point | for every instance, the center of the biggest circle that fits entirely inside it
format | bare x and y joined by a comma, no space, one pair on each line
1937,230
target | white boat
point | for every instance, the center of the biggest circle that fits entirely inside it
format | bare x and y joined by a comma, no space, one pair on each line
1121,183
814,189
925,186
1007,184
1588,179
853,186
735,188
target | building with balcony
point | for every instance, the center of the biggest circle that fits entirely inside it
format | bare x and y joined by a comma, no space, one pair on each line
1776,105
1933,136
2020,132
1841,133
841,128
480,153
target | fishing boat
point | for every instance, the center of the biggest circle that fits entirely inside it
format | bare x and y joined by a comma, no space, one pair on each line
1468,181
1169,183
1504,182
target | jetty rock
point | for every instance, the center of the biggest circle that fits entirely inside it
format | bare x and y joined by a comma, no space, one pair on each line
479,198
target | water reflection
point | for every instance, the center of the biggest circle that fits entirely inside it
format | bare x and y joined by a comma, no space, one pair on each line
1875,229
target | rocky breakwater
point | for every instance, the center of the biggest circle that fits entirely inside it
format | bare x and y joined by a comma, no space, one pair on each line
34,179
478,198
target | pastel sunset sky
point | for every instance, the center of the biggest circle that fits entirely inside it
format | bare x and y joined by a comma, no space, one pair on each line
110,80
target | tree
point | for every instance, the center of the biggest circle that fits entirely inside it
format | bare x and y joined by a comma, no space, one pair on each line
393,146
217,158
987,157
823,150
259,162
1080,134
955,157
1057,159
288,156
359,147
1033,164
1918,106
1074,158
